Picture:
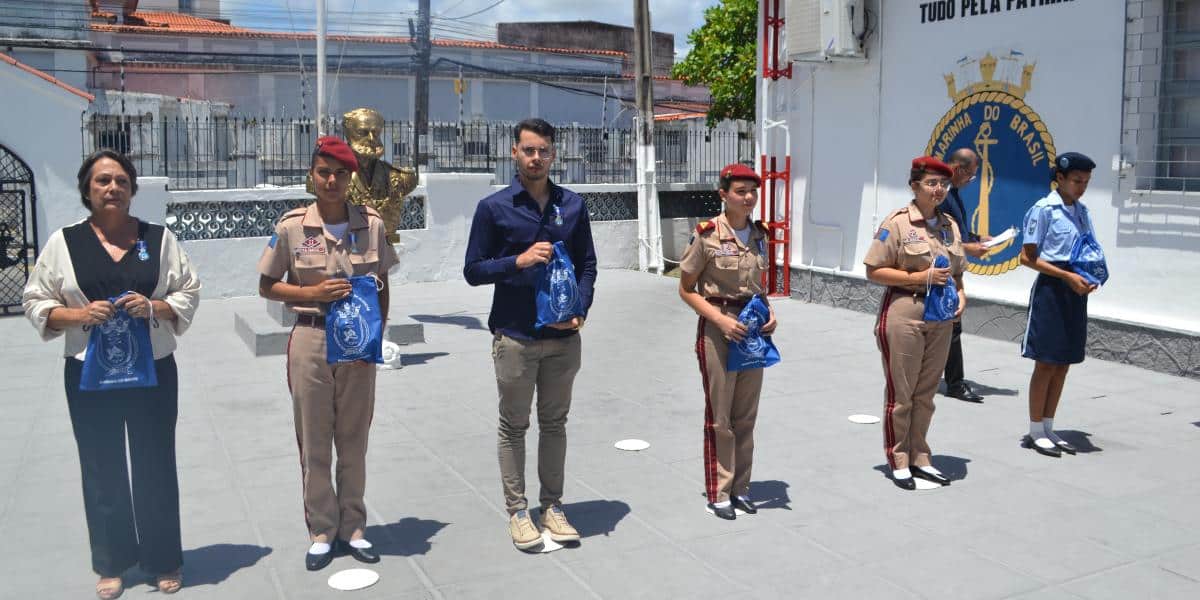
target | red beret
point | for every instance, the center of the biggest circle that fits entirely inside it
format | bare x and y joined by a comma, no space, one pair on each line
740,171
332,146
931,164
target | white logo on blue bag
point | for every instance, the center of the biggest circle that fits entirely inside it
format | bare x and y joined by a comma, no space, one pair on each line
351,327
753,344
120,349
564,291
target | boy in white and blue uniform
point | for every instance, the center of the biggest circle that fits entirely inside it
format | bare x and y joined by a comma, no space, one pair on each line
1056,333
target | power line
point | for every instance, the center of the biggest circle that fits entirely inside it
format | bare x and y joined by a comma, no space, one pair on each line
489,7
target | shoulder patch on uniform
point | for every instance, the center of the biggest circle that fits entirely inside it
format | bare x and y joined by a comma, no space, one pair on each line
883,234
274,238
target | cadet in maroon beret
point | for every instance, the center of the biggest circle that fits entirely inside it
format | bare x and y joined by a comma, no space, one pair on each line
914,349
720,271
306,265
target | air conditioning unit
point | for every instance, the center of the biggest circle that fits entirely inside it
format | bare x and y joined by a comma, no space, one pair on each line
825,30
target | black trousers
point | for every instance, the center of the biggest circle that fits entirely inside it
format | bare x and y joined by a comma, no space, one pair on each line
124,529
954,362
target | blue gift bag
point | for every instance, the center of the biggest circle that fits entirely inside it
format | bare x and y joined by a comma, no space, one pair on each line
119,354
756,350
558,296
941,301
1087,259
354,324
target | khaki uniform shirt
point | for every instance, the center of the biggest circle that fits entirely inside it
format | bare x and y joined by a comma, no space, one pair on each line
306,254
907,242
726,268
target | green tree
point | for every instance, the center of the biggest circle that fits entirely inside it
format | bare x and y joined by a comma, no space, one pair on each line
723,58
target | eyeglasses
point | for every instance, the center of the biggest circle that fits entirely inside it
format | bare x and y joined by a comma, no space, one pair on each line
543,152
934,184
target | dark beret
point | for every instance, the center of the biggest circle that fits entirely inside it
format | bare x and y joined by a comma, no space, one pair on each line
1073,161
331,146
933,165
740,171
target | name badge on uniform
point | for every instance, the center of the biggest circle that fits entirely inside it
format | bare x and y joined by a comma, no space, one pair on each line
914,237
727,249
311,245
143,254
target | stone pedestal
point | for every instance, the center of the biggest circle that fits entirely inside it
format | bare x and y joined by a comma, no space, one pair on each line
265,325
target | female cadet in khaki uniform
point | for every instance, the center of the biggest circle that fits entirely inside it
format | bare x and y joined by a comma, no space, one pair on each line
720,271
317,248
914,351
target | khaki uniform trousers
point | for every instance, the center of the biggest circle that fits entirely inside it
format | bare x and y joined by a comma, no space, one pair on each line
549,365
730,410
333,406
914,354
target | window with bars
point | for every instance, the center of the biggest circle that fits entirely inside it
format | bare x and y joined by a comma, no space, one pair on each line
1178,155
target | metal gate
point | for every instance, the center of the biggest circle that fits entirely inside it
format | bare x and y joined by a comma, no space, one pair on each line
18,229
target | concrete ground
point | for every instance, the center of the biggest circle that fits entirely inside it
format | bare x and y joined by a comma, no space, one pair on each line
1119,520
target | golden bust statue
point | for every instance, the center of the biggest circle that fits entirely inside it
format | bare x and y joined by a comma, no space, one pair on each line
376,183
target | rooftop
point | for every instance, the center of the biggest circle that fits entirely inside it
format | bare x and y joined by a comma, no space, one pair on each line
175,24
1117,521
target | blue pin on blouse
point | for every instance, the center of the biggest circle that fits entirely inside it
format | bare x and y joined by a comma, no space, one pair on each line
558,220
143,254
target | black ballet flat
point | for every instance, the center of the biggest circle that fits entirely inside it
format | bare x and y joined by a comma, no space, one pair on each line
907,483
930,476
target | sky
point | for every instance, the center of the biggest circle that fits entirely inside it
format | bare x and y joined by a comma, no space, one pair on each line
453,18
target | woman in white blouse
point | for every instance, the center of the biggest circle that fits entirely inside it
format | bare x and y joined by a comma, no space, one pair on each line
82,266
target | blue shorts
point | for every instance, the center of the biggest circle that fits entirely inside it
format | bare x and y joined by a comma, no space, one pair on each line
1057,329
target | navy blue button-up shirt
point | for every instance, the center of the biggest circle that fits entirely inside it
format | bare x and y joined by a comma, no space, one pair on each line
506,224
953,205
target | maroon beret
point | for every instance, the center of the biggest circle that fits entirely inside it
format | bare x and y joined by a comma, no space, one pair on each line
332,146
933,165
740,171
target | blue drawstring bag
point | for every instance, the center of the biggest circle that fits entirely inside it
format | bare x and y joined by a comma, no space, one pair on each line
1087,259
558,296
119,354
941,301
756,350
354,324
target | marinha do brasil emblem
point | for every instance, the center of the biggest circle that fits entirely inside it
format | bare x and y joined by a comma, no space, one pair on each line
1015,153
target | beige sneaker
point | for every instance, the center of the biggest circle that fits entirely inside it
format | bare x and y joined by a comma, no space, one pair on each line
525,534
556,523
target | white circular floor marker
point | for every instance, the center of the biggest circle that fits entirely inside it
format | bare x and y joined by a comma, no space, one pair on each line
353,579
632,445
864,419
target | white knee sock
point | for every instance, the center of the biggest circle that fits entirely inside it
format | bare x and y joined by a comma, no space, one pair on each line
1049,424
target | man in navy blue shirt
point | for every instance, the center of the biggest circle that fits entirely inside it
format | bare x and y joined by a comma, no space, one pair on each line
513,232
964,162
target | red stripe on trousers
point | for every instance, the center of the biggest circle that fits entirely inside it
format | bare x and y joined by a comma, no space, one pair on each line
889,436
710,437
299,444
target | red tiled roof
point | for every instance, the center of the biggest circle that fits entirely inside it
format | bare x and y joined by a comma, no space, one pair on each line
681,116
50,78
157,23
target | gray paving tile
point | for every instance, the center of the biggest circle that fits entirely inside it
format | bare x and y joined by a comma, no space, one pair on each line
1141,580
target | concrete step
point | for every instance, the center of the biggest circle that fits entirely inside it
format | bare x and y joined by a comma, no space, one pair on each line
266,326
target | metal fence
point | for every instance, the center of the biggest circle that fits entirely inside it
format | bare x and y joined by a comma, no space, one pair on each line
243,152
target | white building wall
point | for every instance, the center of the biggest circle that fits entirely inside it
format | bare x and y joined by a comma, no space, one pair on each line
45,135
855,127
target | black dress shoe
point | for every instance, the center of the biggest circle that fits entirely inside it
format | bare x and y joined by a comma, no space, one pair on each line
745,507
906,483
930,476
965,393
1066,447
1054,452
316,562
722,512
363,555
